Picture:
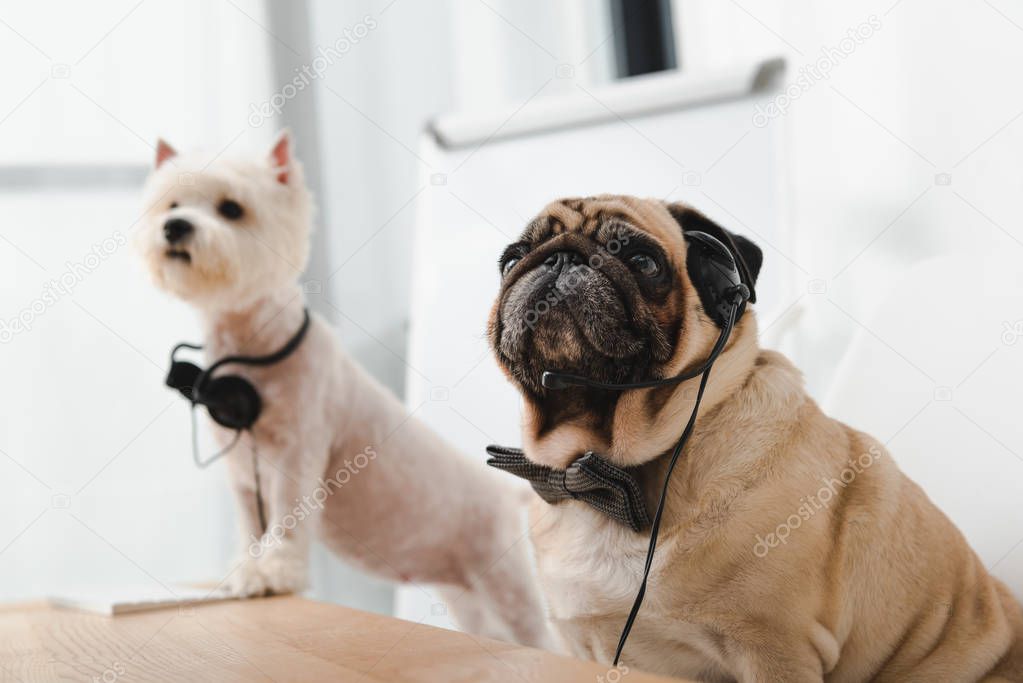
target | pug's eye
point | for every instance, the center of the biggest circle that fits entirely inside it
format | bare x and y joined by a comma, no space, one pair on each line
644,264
508,265
173,205
230,209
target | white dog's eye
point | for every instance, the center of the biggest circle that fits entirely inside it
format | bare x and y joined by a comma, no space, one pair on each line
230,209
173,205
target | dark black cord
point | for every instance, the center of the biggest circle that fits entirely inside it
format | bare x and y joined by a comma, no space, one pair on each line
260,510
561,380
185,345
726,331
275,357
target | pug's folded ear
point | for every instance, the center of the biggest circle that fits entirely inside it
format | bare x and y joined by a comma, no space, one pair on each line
748,256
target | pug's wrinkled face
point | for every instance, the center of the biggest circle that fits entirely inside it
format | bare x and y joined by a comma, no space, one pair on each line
586,292
597,287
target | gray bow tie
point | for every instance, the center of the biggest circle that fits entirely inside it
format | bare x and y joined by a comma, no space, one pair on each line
607,488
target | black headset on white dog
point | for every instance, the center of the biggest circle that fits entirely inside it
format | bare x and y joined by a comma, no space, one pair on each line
724,282
231,400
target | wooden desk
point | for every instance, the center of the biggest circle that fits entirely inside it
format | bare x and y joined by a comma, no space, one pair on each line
275,639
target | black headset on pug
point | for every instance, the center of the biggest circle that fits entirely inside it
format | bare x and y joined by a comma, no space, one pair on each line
718,273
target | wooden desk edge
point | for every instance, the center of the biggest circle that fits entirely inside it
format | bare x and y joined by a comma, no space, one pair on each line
277,637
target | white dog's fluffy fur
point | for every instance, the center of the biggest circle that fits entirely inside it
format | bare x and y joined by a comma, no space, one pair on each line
396,499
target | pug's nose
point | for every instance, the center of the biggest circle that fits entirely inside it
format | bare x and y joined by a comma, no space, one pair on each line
177,229
560,260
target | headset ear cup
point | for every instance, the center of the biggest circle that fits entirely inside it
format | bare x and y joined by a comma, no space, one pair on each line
750,260
182,376
712,270
232,401
748,256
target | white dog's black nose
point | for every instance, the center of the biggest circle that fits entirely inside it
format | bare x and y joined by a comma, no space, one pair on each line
177,229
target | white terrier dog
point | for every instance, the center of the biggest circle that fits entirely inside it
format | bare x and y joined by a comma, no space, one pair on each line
336,450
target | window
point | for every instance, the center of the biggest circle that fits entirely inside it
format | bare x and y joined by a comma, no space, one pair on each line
644,37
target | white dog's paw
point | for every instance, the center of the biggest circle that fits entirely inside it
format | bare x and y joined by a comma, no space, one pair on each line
247,580
284,570
276,571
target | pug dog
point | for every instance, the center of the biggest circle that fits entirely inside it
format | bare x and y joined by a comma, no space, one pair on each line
791,548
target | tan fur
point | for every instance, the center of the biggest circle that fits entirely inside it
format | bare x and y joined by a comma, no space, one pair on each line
873,584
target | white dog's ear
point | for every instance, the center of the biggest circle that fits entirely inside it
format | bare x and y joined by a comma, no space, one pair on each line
164,152
280,156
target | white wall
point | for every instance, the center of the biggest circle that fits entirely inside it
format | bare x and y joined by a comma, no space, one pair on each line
96,476
927,94
505,49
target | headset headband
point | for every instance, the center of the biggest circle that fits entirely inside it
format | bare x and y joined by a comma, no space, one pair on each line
231,400
261,361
